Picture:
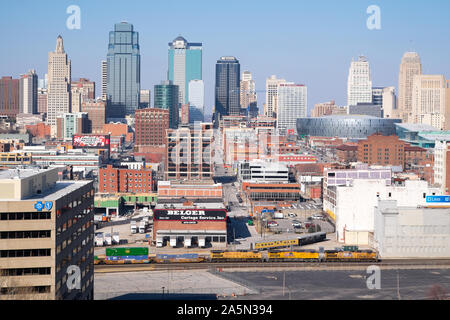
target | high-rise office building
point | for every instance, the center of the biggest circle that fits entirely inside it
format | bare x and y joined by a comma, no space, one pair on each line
9,96
196,101
104,79
409,68
46,227
227,93
28,92
292,104
124,71
144,100
248,97
42,100
359,85
96,110
185,64
69,124
377,96
428,100
271,105
43,83
59,79
390,103
166,97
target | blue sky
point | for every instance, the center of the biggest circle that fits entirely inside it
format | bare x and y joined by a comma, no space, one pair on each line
307,42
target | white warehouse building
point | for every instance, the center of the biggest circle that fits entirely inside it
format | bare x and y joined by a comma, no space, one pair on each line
354,205
411,232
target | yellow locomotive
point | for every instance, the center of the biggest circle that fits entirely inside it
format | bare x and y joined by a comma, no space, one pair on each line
346,256
293,255
235,256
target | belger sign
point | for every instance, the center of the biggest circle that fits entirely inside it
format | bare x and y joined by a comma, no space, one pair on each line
190,215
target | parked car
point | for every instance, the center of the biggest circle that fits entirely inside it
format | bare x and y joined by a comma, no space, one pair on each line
296,224
292,215
317,217
272,224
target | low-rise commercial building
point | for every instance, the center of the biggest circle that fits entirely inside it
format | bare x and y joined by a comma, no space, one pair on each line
46,227
408,231
191,190
124,180
190,224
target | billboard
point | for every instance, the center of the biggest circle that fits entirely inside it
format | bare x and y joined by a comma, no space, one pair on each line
190,215
90,141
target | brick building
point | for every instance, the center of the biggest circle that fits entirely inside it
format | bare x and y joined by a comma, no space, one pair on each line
347,153
414,155
124,180
9,96
151,125
39,130
382,150
261,191
96,111
189,190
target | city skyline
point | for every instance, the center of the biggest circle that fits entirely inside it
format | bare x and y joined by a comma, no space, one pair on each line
325,74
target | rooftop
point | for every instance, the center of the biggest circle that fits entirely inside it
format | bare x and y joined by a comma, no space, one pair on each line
417,127
17,174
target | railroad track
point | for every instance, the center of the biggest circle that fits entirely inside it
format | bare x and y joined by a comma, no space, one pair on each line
256,265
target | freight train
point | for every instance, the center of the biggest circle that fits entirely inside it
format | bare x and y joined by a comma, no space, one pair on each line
299,241
217,256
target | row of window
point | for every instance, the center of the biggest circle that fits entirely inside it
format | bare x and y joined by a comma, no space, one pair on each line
25,253
25,216
25,272
25,234
24,290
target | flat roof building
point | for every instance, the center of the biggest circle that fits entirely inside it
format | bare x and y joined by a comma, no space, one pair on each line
46,227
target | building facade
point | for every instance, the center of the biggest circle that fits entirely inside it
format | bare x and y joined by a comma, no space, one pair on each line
59,79
125,180
46,227
166,97
382,150
28,92
124,71
227,92
410,67
196,101
96,111
271,105
292,103
359,84
185,64
81,91
9,96
151,125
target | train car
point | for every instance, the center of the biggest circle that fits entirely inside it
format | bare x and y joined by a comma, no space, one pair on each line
178,258
312,238
235,256
274,244
294,256
351,256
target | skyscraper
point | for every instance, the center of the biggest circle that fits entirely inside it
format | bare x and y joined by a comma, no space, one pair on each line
185,64
59,79
292,104
104,79
248,92
428,100
227,93
28,92
409,67
270,107
359,85
124,71
389,103
166,97
196,101
80,92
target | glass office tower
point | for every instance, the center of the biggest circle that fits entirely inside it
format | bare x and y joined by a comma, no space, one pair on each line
185,64
166,97
228,80
124,71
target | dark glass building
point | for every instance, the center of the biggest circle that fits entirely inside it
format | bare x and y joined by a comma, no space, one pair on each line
228,79
124,71
166,97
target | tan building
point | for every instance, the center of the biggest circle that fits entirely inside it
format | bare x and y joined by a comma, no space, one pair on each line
428,103
81,91
390,103
409,68
271,105
189,153
46,227
327,109
248,91
59,77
